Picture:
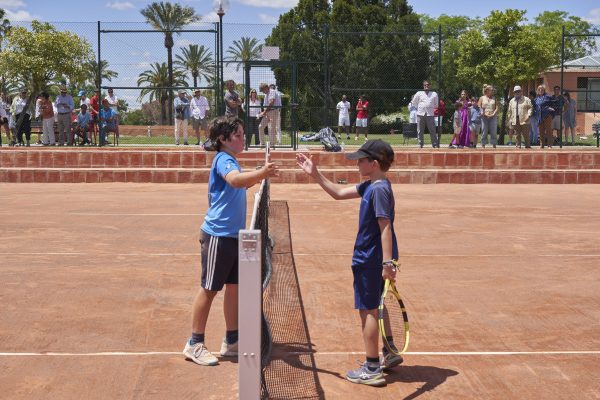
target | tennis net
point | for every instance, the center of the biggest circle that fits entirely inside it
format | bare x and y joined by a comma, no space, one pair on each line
260,221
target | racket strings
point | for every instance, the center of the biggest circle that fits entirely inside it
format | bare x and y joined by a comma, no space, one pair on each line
394,325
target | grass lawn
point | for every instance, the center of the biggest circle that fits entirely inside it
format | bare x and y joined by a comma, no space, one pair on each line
396,140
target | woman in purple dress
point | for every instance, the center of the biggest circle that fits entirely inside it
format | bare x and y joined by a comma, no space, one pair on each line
465,131
464,138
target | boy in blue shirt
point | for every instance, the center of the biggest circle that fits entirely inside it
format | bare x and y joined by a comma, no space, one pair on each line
374,249
83,125
225,217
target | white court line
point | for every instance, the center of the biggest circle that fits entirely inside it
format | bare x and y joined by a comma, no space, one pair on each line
323,353
453,255
106,254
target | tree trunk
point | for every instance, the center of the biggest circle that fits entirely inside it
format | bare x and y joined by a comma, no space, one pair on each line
163,110
195,76
170,66
504,111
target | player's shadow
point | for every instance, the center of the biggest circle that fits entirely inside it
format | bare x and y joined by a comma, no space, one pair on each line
431,377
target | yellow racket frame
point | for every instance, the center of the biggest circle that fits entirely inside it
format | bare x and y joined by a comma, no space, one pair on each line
390,287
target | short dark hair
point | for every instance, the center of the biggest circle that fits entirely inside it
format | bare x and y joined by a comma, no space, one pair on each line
556,87
223,127
45,95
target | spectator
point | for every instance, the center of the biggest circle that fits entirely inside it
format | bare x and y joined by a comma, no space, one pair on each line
64,107
570,118
113,102
464,139
4,113
94,109
108,122
518,115
475,121
233,101
559,109
47,113
38,114
489,118
362,117
269,114
544,104
277,113
426,100
533,121
253,118
412,113
22,117
438,112
343,108
200,107
82,126
457,123
83,99
181,104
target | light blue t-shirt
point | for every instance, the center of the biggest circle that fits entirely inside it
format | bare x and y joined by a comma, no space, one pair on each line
226,213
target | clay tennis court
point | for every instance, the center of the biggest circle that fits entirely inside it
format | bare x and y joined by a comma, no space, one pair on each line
500,281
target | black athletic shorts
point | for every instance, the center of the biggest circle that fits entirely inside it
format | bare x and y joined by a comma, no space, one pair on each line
219,261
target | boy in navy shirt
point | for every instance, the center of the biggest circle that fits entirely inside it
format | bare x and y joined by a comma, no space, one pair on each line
374,249
226,215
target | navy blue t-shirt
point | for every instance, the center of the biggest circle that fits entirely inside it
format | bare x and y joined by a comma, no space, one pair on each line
377,202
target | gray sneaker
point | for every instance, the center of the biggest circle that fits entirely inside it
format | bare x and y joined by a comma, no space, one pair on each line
390,360
229,350
199,354
366,377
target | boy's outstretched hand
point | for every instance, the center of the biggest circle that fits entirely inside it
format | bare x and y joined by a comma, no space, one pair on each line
270,170
306,164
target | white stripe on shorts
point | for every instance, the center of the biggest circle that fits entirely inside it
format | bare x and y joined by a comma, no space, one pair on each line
211,260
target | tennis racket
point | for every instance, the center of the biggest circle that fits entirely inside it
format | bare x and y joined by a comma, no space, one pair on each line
393,319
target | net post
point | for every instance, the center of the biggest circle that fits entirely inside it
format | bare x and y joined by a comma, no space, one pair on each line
249,314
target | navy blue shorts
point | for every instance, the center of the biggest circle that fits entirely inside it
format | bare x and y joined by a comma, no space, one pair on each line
219,261
368,285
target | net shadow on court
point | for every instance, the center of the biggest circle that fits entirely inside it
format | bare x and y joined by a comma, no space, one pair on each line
292,371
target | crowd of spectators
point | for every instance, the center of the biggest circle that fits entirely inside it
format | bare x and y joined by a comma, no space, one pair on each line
64,121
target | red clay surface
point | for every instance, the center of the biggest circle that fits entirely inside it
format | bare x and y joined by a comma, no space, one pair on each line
106,268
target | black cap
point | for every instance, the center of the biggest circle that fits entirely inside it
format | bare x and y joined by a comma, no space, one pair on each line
376,149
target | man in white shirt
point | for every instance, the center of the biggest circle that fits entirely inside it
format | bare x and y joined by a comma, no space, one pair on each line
426,100
277,113
343,117
113,102
199,106
270,115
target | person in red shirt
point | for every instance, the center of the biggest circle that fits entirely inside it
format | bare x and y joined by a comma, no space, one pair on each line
94,109
362,116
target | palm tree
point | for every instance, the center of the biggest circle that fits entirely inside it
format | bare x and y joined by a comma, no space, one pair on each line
169,17
246,49
91,70
197,60
157,79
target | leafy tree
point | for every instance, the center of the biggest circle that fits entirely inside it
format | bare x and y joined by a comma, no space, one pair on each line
453,26
551,23
156,79
357,61
245,49
42,56
91,68
197,60
169,18
504,51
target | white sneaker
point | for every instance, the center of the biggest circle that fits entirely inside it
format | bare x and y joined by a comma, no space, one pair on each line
199,354
229,350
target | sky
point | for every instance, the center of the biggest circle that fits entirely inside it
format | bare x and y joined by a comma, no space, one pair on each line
265,11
